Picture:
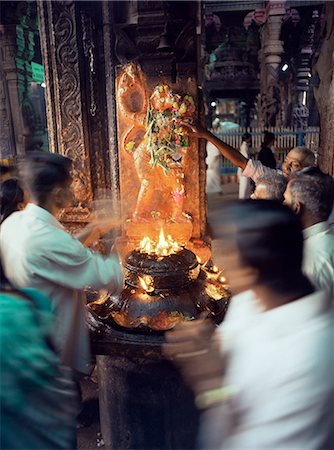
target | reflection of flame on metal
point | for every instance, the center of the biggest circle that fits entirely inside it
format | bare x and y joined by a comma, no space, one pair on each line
193,273
216,291
198,259
222,279
215,269
146,282
163,247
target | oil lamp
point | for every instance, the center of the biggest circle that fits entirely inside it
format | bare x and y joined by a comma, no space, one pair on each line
165,283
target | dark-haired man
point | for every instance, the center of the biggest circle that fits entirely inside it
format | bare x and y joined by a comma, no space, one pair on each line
310,194
296,159
265,380
37,252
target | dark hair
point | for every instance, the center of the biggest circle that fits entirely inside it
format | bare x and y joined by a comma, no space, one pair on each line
268,137
315,190
40,172
246,136
11,195
268,236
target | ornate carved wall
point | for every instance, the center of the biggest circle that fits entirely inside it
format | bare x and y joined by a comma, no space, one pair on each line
73,57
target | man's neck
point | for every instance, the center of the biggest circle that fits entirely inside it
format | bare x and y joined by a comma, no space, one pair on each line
48,206
309,220
271,298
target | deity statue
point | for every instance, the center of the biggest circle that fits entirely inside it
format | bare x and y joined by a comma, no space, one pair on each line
157,143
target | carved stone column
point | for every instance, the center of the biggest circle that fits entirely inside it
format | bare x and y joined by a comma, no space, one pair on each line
270,62
304,73
324,94
8,78
73,58
18,113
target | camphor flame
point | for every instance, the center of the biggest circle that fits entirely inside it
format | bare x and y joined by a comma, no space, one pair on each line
163,247
146,282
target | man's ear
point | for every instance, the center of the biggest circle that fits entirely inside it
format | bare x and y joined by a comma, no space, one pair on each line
57,195
297,207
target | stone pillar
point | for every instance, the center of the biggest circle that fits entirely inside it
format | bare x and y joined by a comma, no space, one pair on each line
9,135
73,58
270,59
324,94
24,128
304,73
18,113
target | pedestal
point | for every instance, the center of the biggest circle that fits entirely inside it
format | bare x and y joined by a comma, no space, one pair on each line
144,402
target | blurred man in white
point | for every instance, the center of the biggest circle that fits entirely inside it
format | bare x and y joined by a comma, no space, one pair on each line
266,378
245,188
213,163
37,252
310,194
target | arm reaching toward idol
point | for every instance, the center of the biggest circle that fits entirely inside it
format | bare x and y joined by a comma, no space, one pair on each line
230,153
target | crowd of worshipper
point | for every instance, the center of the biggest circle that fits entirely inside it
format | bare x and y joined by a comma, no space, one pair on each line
263,379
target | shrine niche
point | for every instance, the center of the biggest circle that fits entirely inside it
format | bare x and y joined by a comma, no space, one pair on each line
157,157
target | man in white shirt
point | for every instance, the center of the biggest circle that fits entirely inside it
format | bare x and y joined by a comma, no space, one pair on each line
296,159
213,180
310,194
37,252
266,379
245,188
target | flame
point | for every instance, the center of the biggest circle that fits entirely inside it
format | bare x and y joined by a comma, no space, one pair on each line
146,282
163,247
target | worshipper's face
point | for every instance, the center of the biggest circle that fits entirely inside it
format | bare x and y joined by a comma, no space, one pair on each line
292,163
226,254
260,192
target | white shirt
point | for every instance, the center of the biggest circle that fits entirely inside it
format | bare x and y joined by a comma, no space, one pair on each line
213,182
255,169
281,366
318,261
37,252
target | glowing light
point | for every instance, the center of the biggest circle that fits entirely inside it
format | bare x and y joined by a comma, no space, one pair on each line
285,67
198,259
146,282
215,269
213,104
163,247
43,85
222,279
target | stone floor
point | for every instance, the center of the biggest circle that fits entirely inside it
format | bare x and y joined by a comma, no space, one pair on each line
89,436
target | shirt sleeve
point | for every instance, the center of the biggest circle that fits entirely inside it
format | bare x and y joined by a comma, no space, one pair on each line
255,169
65,261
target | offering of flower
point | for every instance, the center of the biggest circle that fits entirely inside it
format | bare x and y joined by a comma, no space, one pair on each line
164,137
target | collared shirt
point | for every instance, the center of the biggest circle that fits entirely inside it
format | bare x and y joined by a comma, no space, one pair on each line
318,261
255,169
37,252
280,366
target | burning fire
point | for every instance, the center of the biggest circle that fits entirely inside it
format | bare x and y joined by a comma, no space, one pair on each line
146,282
163,247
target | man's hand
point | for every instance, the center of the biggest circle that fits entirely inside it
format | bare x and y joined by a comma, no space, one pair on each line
97,229
195,129
194,348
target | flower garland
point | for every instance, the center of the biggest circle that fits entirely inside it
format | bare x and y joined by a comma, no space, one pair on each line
164,138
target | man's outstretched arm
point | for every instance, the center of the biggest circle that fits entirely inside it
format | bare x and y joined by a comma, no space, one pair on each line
230,153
